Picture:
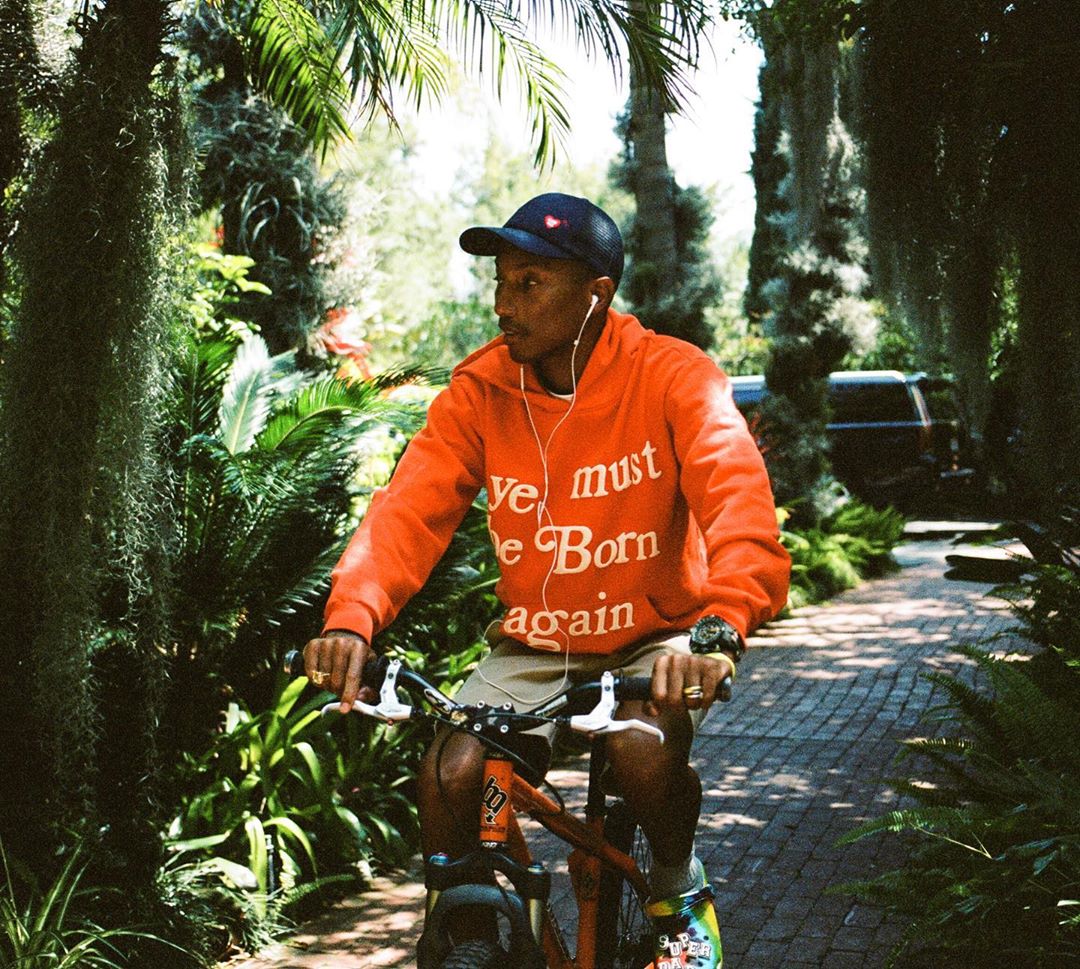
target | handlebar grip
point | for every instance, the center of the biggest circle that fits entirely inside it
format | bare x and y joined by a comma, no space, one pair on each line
374,671
640,688
373,675
293,664
634,688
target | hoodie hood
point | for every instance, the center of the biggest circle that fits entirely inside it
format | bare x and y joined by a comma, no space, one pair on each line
621,338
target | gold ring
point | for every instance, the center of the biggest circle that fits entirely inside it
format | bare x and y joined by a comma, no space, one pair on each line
693,692
319,677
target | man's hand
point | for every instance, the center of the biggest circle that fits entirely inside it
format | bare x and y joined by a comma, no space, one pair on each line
676,676
335,662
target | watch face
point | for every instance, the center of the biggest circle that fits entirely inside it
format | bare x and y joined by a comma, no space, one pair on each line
709,630
712,634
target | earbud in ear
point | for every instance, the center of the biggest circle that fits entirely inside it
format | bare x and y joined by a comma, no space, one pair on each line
584,322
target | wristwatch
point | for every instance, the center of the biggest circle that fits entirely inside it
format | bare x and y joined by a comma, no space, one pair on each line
711,634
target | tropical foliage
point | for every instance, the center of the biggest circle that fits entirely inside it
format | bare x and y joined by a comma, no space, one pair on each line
273,805
271,811
854,541
995,796
54,927
264,463
286,805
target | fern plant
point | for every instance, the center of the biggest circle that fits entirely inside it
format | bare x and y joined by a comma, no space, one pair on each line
994,877
854,541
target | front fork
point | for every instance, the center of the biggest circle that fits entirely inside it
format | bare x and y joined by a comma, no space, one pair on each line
470,880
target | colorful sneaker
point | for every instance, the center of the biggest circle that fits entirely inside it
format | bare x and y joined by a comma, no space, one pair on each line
687,934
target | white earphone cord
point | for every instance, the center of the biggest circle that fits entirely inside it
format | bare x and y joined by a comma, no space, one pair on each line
542,509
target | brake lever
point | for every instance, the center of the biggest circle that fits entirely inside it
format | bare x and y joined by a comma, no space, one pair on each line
600,720
389,708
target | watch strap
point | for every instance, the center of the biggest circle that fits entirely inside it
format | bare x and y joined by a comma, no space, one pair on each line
726,655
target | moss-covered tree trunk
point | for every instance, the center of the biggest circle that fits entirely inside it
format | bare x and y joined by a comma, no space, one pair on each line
1044,221
81,550
897,102
817,308
25,87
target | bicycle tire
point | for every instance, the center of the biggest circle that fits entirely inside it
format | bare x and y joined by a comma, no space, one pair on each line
475,954
623,930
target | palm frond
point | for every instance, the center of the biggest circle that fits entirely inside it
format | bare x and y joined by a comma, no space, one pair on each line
491,34
293,61
245,400
324,406
391,42
198,382
308,587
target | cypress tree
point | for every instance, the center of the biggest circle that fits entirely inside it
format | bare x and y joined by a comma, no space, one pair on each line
769,168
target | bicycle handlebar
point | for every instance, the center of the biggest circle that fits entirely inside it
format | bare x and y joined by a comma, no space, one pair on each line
382,674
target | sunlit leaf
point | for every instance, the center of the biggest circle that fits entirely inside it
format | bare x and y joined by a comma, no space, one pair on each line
294,62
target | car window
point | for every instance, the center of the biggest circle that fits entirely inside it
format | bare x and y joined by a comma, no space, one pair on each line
940,400
747,397
869,403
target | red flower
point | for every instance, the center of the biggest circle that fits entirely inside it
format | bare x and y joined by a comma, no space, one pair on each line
340,335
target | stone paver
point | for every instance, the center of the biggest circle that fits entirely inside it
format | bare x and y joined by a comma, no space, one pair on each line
799,758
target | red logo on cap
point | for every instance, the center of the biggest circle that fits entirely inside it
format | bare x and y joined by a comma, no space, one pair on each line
553,221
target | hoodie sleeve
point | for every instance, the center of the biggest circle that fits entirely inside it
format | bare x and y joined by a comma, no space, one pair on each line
723,478
411,521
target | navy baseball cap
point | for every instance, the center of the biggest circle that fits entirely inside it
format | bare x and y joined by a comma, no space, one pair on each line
557,226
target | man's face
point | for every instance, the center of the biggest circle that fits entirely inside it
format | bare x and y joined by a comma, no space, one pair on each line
541,304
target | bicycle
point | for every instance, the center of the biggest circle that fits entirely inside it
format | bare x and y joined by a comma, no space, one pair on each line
609,857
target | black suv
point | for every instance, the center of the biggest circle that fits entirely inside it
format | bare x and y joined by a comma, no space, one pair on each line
892,436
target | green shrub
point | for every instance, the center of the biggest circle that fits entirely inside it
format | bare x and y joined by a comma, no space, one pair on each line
994,878
854,541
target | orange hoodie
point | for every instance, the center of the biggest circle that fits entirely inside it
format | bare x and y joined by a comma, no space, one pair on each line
646,508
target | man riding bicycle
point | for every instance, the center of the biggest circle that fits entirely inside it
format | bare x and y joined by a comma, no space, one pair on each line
626,502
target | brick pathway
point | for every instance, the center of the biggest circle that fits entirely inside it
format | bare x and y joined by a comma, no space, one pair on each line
798,759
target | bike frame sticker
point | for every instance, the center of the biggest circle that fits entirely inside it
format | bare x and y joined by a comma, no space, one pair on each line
495,801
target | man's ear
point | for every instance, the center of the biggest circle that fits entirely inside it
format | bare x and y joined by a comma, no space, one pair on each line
603,288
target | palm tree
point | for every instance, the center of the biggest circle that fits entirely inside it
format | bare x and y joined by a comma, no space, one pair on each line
670,280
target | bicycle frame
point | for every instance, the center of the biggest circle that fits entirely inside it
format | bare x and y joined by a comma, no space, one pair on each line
506,849
591,852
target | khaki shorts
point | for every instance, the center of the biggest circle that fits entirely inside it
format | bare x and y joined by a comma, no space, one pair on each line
529,677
